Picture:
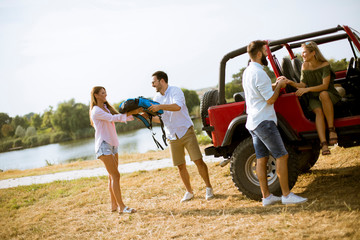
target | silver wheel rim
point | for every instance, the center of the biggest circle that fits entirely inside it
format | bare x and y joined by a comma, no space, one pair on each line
250,170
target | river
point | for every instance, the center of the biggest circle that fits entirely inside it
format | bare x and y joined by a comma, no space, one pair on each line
137,141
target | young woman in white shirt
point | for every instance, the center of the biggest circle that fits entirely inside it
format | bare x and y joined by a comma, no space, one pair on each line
102,118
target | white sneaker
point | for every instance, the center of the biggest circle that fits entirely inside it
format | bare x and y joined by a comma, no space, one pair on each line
209,193
187,197
271,199
292,199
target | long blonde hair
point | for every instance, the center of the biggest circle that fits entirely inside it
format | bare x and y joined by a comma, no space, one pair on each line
93,102
312,46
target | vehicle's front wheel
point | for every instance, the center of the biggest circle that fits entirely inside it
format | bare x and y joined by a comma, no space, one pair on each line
243,170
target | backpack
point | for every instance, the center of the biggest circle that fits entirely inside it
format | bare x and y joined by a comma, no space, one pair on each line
134,103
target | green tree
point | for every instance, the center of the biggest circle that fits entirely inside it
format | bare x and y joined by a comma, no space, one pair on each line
70,116
20,131
339,65
191,99
80,117
237,77
30,131
4,119
36,121
231,88
29,115
20,121
7,130
46,118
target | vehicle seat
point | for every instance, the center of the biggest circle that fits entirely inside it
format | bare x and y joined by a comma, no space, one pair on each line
288,71
297,64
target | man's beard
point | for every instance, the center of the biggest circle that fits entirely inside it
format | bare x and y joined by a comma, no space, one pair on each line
264,60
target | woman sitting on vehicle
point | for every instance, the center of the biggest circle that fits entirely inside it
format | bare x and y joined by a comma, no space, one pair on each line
317,82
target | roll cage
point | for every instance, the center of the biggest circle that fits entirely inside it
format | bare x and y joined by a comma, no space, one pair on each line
320,37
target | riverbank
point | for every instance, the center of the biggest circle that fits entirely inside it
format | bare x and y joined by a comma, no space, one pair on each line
96,172
80,209
88,164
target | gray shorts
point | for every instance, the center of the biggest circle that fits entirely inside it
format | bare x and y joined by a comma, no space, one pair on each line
106,149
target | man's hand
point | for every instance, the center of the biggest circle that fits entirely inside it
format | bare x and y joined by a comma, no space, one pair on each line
154,108
281,82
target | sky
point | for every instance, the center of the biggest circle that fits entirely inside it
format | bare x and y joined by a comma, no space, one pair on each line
53,51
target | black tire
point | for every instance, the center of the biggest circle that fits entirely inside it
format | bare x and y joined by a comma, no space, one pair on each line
243,171
307,159
209,99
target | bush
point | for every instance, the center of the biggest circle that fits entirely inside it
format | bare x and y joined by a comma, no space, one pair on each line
30,131
17,143
84,133
6,145
44,139
203,139
195,112
60,137
31,141
20,131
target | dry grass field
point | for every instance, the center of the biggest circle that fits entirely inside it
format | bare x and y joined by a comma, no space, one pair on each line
80,209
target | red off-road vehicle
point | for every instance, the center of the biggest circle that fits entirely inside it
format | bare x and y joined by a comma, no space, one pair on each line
225,122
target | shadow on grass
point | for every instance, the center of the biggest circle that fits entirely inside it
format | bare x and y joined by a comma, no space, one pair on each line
335,190
334,187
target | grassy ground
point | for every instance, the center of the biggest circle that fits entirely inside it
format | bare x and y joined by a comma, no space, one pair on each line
80,209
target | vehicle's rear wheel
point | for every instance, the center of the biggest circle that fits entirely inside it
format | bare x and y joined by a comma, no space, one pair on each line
307,159
209,99
243,170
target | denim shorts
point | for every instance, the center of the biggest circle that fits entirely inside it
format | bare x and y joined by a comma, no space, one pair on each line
266,138
106,149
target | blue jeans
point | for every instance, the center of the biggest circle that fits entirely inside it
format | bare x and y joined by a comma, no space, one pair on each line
266,138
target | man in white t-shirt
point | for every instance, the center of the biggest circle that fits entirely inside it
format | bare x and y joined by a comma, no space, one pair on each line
261,123
179,132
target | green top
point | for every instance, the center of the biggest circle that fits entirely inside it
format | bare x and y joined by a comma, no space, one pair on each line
315,77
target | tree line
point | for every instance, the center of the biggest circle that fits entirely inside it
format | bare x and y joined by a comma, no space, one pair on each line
69,121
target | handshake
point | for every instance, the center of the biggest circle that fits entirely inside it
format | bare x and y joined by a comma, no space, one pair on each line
301,87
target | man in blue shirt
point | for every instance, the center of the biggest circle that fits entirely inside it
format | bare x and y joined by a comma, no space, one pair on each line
179,132
261,123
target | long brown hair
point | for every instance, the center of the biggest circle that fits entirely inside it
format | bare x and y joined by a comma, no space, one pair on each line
93,102
312,46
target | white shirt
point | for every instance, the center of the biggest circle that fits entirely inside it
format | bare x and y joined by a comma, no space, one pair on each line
176,122
258,89
105,127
